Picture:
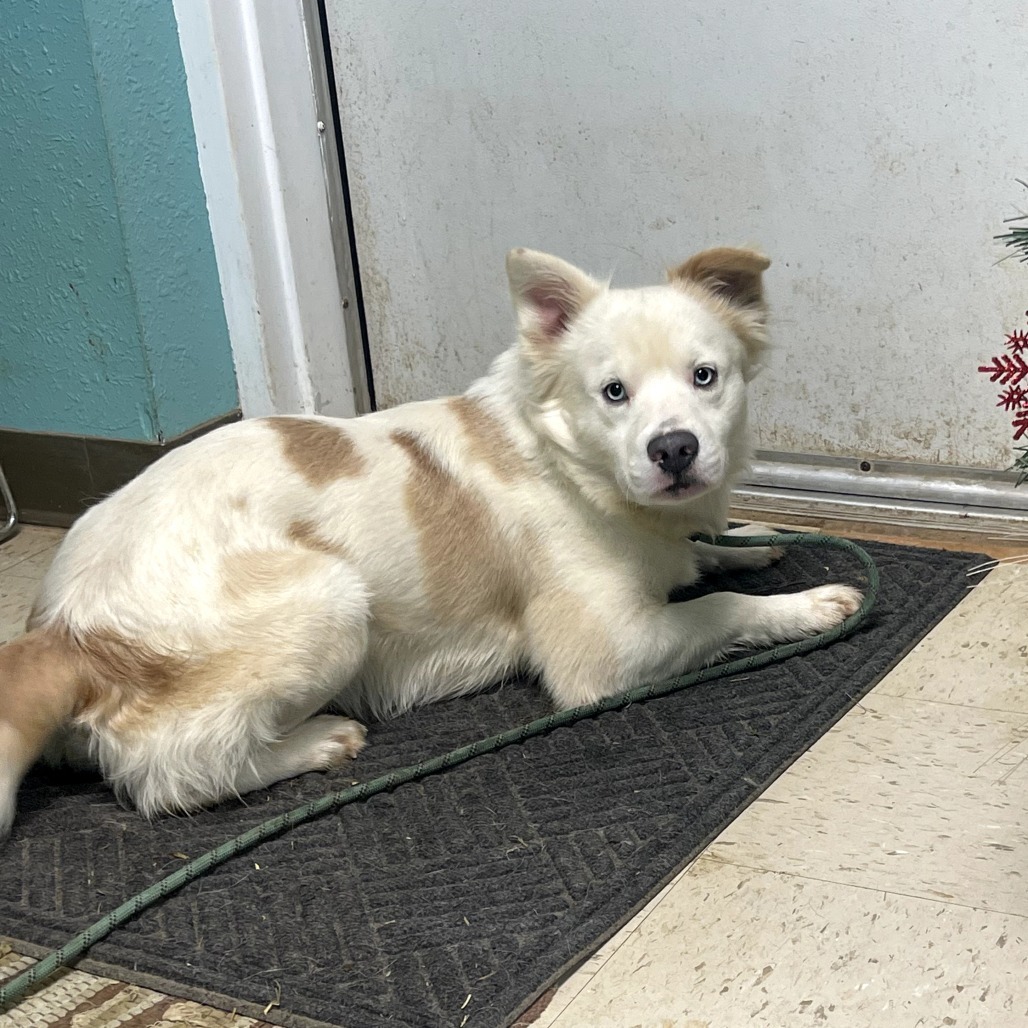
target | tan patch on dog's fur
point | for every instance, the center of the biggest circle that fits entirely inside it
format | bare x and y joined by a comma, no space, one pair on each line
122,670
469,573
125,680
305,533
41,675
51,676
94,677
250,577
318,451
486,439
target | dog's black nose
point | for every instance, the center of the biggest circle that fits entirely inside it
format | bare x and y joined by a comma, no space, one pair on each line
673,451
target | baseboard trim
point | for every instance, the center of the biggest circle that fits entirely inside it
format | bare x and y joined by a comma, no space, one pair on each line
793,487
886,482
795,507
55,478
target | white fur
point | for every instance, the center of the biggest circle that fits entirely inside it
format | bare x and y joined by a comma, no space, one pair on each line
352,623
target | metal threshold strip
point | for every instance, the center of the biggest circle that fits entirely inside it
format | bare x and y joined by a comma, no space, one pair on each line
886,492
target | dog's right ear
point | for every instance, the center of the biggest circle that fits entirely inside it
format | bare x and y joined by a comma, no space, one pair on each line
548,293
733,276
731,272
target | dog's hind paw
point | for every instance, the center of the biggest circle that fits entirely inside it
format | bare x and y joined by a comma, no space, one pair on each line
767,554
332,740
741,558
760,556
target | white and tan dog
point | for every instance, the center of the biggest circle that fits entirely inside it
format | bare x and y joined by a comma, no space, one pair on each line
194,623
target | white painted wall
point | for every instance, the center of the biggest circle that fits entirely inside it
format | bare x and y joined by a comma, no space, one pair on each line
870,148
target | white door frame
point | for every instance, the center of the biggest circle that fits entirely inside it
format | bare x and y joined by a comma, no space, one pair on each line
264,131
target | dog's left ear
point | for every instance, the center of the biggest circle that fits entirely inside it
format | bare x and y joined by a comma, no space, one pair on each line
729,272
548,293
735,276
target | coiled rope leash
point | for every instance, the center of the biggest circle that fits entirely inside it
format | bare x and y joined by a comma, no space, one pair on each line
21,983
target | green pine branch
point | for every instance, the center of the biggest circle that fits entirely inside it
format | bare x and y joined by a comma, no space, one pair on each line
1021,464
1017,237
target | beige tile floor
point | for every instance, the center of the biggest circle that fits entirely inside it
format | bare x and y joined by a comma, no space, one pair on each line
23,562
882,880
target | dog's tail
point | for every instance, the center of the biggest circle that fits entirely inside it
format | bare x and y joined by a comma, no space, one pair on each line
40,684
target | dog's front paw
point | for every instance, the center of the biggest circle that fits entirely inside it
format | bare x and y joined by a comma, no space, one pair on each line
830,605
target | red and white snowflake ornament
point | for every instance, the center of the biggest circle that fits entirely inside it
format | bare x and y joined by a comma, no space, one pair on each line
1017,341
1013,398
1011,370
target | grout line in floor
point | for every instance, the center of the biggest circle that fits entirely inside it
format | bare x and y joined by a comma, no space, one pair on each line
882,690
25,557
939,899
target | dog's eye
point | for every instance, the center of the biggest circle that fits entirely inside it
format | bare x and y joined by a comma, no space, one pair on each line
704,376
614,392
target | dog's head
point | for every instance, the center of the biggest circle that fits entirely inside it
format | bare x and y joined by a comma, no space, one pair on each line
643,390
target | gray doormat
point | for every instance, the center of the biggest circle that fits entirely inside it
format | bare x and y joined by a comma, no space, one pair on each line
488,881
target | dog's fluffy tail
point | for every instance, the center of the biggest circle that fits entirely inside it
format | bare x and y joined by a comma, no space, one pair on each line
40,683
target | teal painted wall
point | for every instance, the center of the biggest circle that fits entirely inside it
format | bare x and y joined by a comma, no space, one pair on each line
111,318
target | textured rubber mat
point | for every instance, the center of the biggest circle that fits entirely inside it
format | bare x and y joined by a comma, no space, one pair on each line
457,900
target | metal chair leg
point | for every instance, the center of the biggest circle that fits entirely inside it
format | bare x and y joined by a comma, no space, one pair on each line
10,524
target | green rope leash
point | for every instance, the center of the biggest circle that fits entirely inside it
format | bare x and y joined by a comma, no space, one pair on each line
20,984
